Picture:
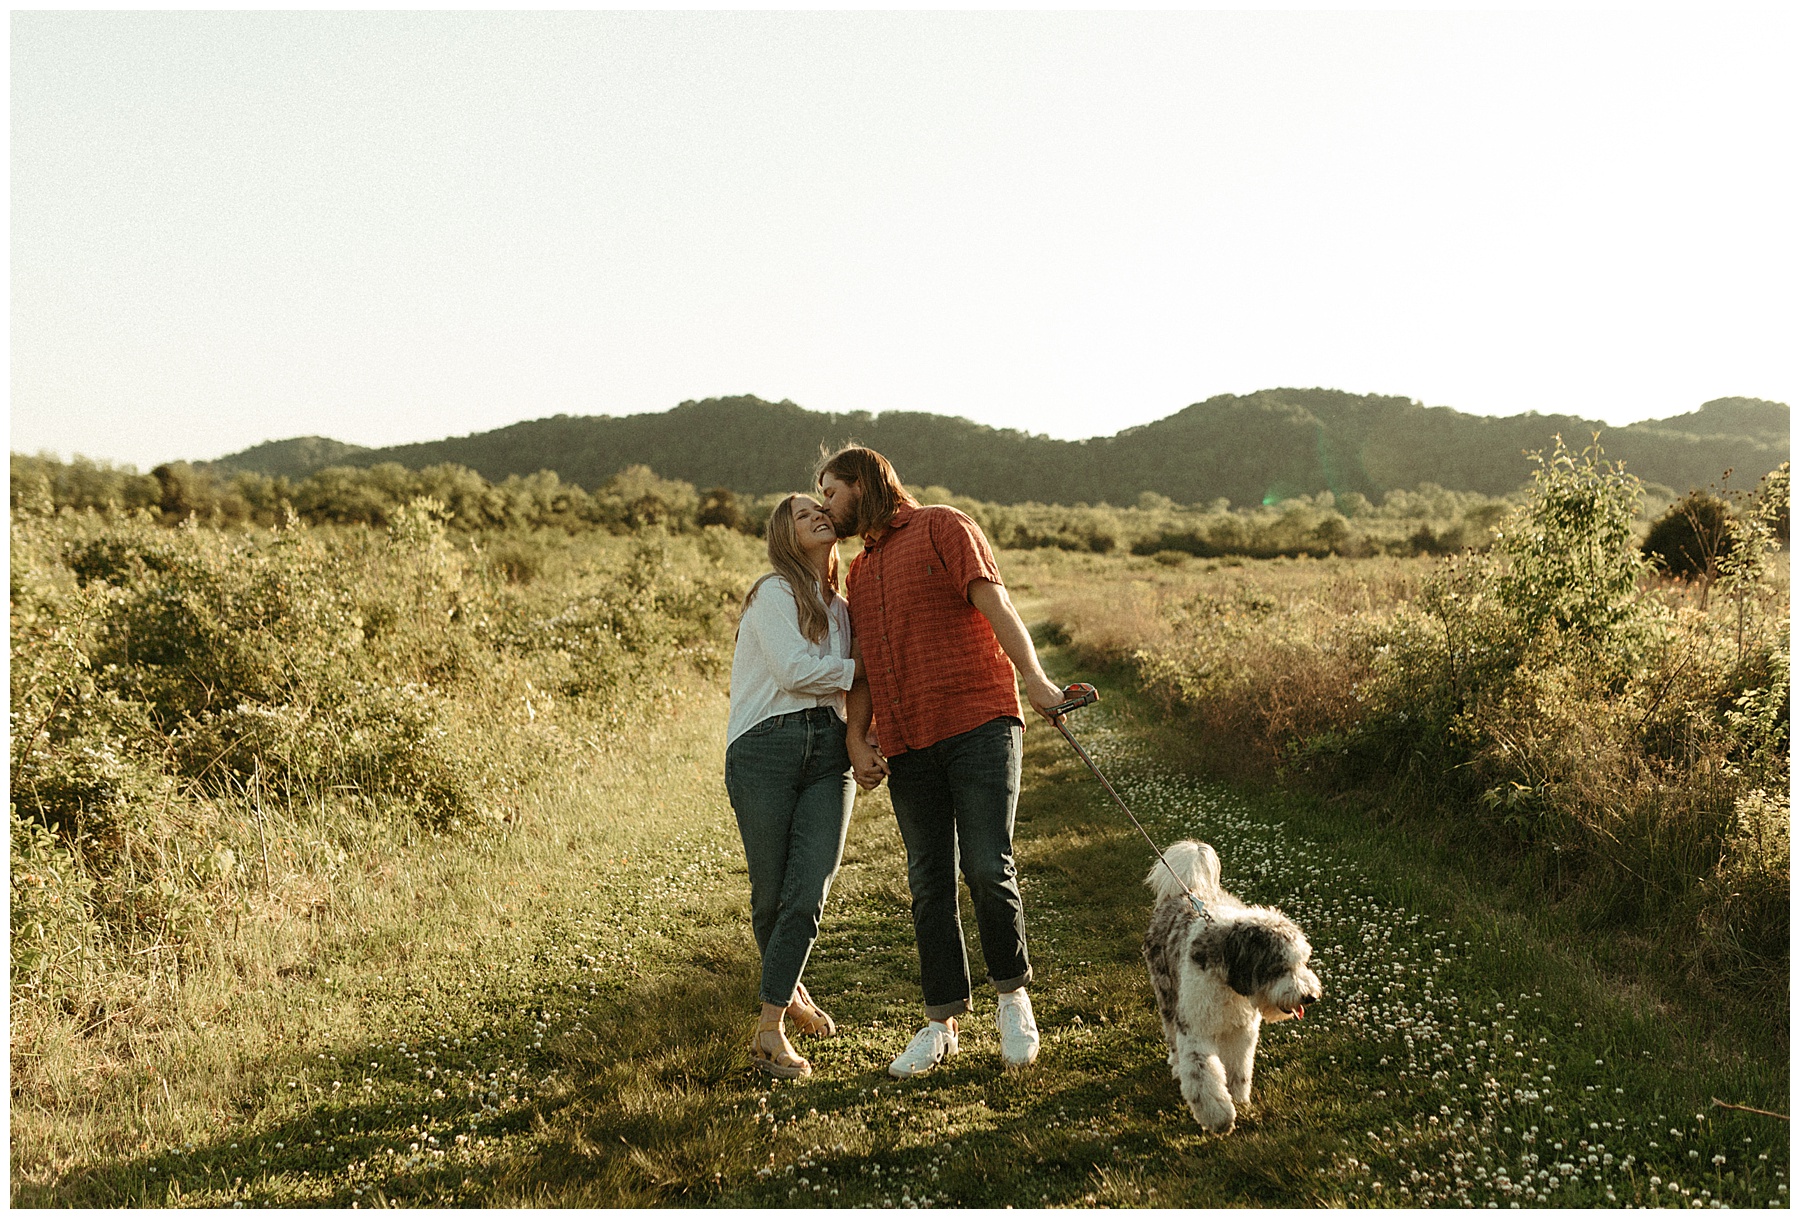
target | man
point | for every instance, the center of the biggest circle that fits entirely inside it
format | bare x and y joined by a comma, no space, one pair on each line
936,633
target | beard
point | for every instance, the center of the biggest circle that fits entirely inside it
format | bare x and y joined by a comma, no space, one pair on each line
844,522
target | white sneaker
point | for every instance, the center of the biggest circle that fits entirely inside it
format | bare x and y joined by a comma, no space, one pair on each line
930,1046
1018,1029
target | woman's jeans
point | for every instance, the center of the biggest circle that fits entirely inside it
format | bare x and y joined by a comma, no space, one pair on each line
791,787
955,802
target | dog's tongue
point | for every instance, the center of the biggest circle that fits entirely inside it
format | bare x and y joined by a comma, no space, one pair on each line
1300,1013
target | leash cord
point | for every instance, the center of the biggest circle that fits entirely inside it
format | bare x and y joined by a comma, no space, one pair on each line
1193,898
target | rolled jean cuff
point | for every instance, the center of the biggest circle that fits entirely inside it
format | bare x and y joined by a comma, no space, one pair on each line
943,1011
1012,984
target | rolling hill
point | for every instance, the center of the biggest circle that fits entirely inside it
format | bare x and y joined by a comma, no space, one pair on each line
1251,448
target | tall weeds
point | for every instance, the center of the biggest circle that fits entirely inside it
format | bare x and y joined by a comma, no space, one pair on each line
208,724
1619,736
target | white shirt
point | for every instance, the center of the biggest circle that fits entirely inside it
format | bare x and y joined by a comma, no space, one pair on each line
776,669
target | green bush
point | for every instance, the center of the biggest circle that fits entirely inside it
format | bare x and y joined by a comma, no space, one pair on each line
1689,539
1624,745
1582,719
176,689
1569,558
52,905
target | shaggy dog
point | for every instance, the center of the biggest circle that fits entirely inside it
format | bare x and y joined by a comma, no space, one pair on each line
1217,978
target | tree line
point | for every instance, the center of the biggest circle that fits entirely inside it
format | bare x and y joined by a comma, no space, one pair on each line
1686,537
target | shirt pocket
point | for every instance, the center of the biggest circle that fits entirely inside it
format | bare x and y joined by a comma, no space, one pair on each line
936,580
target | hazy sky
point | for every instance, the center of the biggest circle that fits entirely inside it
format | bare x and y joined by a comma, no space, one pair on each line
382,227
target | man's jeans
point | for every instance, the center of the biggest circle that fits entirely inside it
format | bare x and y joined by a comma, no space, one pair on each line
955,802
791,787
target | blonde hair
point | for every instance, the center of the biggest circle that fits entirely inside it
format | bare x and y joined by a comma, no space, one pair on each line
789,561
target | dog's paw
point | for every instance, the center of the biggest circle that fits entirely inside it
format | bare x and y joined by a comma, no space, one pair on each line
1214,1118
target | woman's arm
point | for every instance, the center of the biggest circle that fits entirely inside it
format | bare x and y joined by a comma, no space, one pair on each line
859,713
772,621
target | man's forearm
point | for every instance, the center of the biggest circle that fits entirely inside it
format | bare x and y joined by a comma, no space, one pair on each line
869,766
1015,641
859,710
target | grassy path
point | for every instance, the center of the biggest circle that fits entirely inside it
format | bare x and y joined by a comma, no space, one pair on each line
558,1019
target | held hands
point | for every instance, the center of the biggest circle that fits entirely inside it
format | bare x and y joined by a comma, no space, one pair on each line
867,765
869,768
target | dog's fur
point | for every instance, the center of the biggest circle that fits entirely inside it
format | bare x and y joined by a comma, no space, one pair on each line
1218,979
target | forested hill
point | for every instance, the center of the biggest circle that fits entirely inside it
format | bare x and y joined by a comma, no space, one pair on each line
1253,448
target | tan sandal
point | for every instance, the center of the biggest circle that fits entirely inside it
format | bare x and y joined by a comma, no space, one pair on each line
809,1017
772,1060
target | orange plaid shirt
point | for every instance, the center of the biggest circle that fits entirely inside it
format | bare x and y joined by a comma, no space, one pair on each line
935,668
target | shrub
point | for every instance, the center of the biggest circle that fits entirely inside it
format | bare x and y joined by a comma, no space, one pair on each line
51,905
1622,749
1690,539
173,689
720,506
1569,558
635,497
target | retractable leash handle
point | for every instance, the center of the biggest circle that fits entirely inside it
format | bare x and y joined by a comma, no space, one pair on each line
1080,695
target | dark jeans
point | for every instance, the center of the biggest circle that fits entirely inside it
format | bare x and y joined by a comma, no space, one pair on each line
791,787
955,802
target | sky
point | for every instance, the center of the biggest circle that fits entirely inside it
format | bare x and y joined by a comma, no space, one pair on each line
232,227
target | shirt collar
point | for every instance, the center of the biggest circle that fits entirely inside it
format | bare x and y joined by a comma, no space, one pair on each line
902,514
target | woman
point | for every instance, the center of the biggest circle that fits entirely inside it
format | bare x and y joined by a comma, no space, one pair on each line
786,768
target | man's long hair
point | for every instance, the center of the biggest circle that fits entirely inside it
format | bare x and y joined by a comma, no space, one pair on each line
789,561
882,490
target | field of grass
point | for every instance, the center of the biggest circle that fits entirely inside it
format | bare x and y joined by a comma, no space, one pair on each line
362,866
556,1014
